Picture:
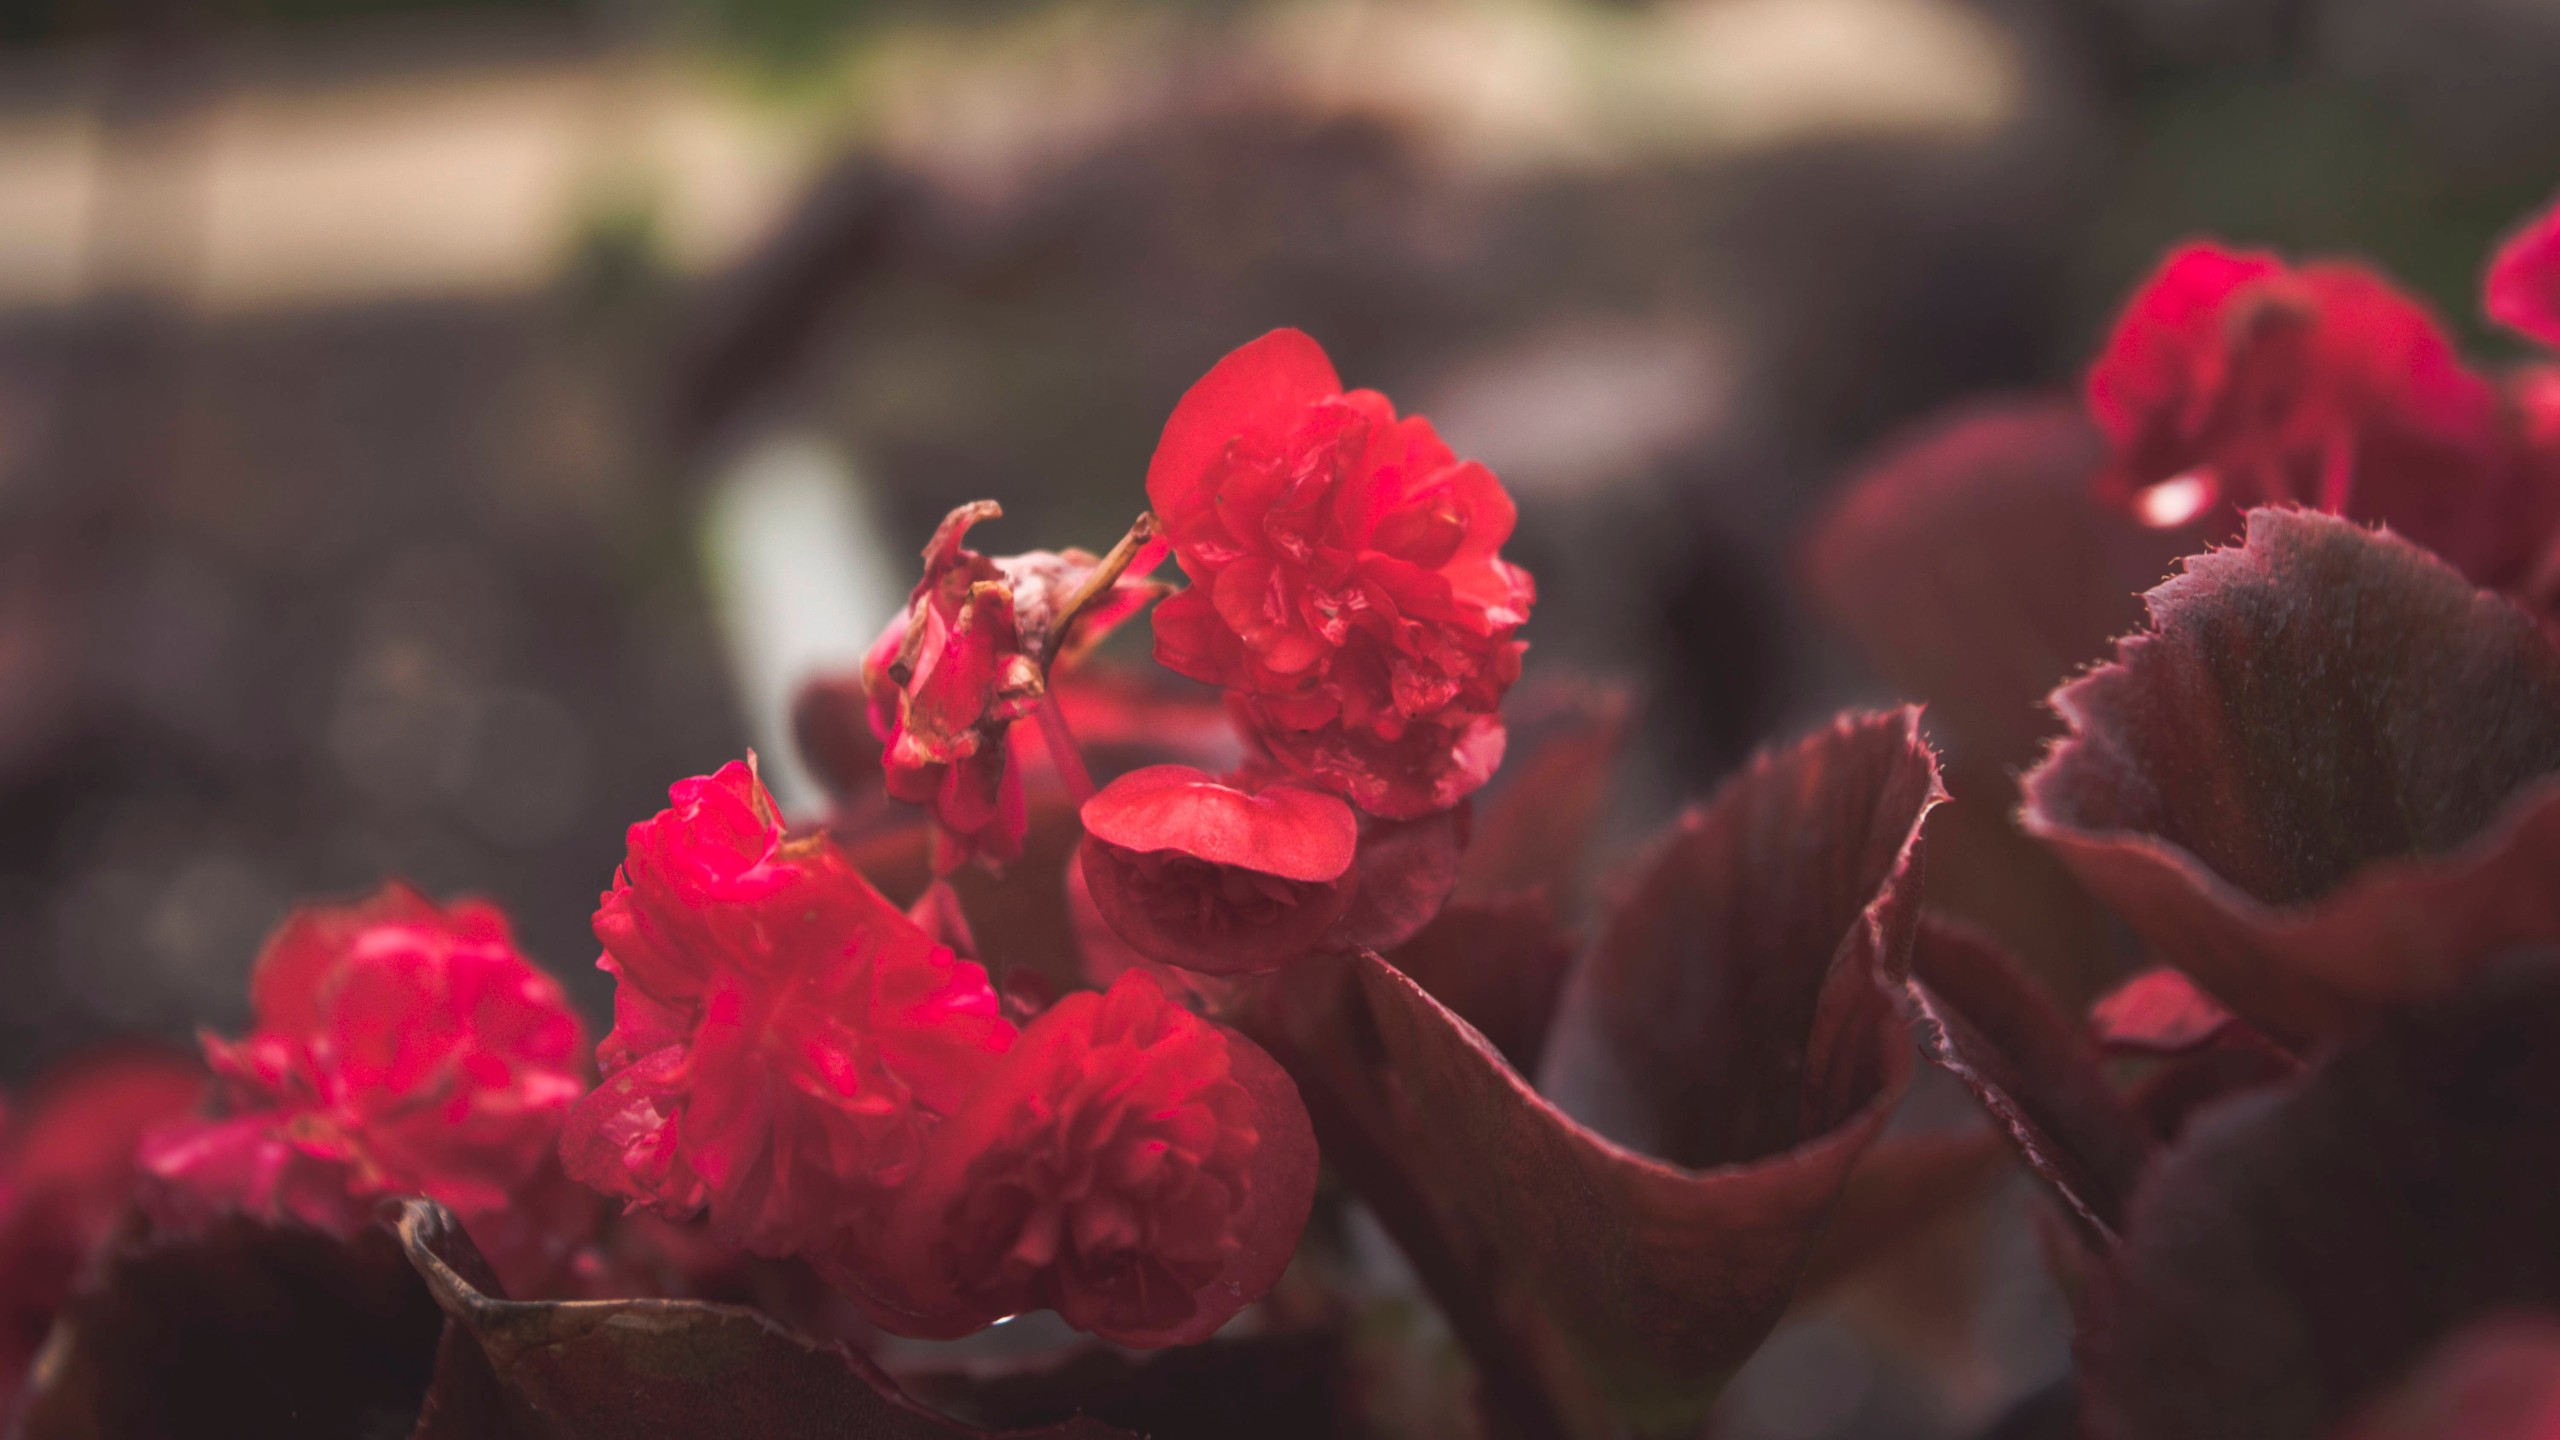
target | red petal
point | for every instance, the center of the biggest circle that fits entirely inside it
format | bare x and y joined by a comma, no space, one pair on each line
2524,280
1288,830
2158,1012
1260,389
1404,873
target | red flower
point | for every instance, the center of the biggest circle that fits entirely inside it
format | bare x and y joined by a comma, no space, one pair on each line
1347,581
400,1049
2254,382
66,1170
1195,872
969,656
2524,280
783,1035
1130,1165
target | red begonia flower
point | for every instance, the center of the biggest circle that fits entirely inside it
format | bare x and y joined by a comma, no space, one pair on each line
1141,1171
2321,385
2524,280
969,656
783,1035
1346,578
401,1048
66,1171
1196,872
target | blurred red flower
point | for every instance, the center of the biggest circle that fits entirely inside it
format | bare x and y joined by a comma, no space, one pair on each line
66,1173
401,1048
782,1033
2249,381
967,658
2524,280
1346,578
1138,1169
1210,876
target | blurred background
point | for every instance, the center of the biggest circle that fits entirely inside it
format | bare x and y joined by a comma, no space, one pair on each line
428,428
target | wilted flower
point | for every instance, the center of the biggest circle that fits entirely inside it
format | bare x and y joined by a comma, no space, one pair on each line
1347,583
968,657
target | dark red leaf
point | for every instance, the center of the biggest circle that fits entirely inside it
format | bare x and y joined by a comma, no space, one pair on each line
654,1368
1976,568
1903,1188
1535,821
2304,1246
2321,782
1738,1052
1499,965
242,1330
1287,1386
2036,1072
1727,1011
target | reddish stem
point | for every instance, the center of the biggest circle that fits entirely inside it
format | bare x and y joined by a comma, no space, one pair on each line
1062,749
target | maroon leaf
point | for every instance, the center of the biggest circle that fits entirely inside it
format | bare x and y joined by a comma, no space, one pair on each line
1738,1054
1534,823
2321,783
1973,565
1499,965
2304,1246
1904,1186
2024,1059
244,1330
1285,1386
2497,1380
643,1368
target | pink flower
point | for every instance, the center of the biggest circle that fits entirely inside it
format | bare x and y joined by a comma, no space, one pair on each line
401,1048
1195,872
1347,583
783,1035
1130,1165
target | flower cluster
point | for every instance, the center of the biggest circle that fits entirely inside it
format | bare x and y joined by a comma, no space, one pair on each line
800,1060
1347,583
401,1048
2235,379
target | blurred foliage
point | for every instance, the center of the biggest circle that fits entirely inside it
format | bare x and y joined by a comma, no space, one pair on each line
2302,163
